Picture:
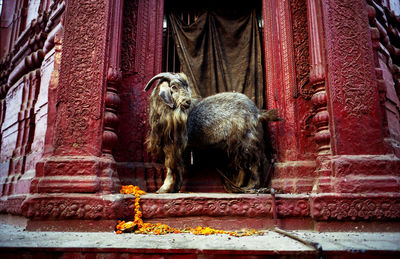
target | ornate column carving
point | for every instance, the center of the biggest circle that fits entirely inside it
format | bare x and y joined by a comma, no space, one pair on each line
81,83
83,104
114,76
357,179
141,60
353,125
317,77
319,98
352,82
286,71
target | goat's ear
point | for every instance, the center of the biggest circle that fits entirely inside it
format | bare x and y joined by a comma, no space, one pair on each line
165,94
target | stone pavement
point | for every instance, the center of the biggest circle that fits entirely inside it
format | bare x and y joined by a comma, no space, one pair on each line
14,240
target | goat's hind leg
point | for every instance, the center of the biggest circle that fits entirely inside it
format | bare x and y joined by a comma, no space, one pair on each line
256,165
254,181
258,176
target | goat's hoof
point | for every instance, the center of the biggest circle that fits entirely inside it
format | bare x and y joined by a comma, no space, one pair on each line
258,190
161,191
164,190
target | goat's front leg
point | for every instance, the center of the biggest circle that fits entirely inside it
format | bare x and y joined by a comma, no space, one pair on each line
169,182
174,178
172,182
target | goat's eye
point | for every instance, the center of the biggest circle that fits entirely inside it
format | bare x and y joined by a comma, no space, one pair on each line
174,88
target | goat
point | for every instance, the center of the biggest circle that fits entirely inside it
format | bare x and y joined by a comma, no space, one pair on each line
179,121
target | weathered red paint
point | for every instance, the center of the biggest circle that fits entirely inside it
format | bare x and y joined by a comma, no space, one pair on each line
333,77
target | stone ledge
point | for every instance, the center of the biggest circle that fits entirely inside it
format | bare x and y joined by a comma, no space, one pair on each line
229,211
297,211
384,206
16,241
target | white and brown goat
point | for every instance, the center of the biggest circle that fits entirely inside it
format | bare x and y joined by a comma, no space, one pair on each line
228,121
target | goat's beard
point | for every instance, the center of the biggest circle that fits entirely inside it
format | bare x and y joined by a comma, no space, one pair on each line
167,131
176,126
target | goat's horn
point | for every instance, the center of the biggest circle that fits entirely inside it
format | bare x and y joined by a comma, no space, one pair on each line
166,75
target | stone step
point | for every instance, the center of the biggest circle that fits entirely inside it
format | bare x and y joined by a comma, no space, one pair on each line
339,212
16,242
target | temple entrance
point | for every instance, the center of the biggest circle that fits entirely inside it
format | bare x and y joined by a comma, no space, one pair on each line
271,36
218,46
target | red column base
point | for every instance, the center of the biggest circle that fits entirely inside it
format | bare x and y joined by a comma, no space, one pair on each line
76,174
72,187
360,174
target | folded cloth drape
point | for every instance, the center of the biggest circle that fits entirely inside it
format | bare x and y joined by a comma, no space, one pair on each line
221,51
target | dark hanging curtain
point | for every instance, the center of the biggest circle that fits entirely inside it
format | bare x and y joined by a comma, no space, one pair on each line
221,52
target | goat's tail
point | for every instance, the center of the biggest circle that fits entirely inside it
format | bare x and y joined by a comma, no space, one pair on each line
270,115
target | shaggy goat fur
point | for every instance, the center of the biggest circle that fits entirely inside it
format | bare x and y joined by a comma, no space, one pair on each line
226,121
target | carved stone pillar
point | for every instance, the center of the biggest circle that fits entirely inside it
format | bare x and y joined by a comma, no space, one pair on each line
352,122
114,76
286,72
141,60
317,77
85,117
319,98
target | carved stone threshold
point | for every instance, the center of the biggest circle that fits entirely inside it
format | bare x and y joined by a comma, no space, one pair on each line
228,211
